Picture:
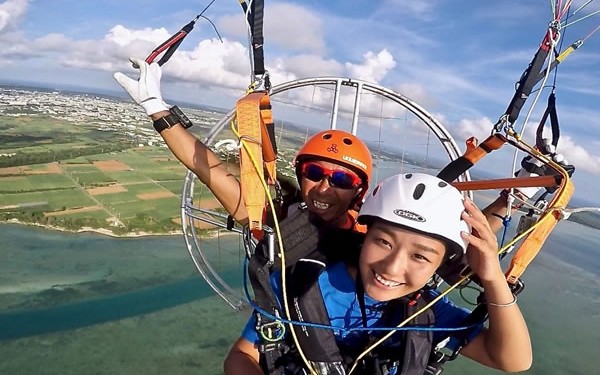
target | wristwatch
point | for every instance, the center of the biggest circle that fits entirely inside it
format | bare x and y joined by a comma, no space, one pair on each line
176,116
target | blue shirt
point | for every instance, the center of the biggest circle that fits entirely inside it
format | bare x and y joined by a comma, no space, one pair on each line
339,294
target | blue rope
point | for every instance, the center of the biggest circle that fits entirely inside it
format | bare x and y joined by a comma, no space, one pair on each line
344,330
505,223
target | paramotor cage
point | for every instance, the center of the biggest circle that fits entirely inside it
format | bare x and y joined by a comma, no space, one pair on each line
338,87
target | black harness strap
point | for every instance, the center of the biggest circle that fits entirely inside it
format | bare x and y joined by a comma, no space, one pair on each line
550,111
411,357
532,75
255,20
307,305
300,237
270,336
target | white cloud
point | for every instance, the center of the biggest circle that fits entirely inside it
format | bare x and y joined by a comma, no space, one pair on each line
11,13
478,128
307,65
578,156
374,66
212,63
294,27
417,93
123,36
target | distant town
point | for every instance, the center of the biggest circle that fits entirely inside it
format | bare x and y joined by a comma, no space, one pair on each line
103,113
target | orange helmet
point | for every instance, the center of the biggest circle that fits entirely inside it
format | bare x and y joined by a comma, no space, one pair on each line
339,147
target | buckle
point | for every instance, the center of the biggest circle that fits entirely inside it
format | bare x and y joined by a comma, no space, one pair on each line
517,287
272,331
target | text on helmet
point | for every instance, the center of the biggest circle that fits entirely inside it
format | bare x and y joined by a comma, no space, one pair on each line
409,215
354,161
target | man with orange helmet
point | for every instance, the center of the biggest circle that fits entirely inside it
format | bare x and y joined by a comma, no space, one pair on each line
346,162
341,156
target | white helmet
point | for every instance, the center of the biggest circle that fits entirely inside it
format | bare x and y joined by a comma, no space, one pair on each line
422,203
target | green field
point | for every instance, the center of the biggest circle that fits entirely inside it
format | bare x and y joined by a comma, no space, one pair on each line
60,186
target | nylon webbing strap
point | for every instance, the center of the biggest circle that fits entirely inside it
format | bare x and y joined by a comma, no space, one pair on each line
259,276
305,300
249,121
534,241
255,20
532,75
472,155
269,147
550,111
258,7
300,238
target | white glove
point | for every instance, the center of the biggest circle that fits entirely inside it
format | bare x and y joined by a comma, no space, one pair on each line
146,90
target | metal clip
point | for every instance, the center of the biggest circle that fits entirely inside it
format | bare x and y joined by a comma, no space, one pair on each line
526,222
269,243
517,287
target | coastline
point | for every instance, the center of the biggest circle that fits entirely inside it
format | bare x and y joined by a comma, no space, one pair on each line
102,231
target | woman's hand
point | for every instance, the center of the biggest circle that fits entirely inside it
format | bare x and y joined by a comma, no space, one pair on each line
482,252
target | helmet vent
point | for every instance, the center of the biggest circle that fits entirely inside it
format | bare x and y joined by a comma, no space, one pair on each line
376,190
347,141
419,190
408,176
327,136
442,184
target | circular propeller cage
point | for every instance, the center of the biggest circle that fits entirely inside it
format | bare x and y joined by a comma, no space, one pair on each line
401,135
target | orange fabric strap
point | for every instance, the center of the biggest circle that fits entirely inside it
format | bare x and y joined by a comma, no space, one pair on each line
253,114
534,241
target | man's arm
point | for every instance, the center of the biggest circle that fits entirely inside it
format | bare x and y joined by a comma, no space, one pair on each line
211,170
195,155
495,211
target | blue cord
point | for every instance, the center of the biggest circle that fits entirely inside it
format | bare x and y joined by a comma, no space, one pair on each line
505,224
344,330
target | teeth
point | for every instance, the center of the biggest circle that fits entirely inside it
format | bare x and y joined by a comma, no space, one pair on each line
391,284
320,205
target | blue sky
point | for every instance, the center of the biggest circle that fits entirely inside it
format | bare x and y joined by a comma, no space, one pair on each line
458,59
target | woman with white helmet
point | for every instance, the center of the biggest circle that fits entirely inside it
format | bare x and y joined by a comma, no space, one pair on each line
416,222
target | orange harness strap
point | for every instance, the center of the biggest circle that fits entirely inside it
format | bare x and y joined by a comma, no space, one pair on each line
476,152
472,155
253,113
534,241
267,128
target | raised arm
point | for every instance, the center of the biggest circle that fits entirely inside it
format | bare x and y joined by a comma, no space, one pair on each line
505,345
195,155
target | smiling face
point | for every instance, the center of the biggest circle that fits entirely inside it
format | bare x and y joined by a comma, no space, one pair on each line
395,262
327,202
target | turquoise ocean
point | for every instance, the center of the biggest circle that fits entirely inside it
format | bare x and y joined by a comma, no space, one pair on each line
92,304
